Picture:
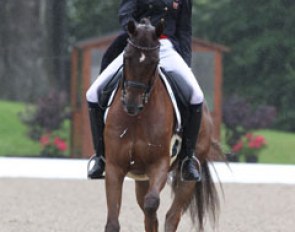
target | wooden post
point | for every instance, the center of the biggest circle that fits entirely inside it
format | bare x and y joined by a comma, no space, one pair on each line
87,149
76,125
218,94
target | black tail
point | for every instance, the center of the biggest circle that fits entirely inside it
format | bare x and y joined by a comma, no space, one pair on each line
205,199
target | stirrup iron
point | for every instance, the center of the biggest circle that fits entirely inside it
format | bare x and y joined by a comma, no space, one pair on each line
93,159
199,167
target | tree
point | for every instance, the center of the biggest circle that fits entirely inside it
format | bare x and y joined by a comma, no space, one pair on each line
91,18
262,61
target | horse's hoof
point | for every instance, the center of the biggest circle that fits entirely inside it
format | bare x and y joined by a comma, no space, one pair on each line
112,227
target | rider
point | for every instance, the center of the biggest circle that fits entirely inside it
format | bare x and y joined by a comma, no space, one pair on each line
175,56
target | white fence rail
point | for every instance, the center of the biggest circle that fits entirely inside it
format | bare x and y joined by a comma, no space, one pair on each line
76,169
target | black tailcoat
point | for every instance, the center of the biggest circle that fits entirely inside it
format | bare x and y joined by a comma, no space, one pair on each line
175,14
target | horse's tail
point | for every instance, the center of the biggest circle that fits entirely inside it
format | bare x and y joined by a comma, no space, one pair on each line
205,199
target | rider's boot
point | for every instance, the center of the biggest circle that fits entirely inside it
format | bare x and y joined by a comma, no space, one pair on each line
190,165
96,163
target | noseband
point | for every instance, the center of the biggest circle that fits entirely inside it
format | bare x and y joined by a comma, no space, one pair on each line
137,84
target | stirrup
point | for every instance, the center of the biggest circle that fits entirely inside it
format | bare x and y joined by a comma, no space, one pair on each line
199,167
93,159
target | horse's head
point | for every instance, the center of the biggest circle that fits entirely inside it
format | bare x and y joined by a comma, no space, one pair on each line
141,58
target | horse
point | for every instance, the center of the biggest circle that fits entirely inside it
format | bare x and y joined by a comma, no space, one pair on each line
137,136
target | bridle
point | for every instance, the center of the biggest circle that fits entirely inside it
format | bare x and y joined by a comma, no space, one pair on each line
137,84
141,48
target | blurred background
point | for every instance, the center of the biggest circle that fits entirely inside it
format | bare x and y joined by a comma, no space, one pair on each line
244,59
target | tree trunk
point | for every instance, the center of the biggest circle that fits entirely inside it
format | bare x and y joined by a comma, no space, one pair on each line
32,43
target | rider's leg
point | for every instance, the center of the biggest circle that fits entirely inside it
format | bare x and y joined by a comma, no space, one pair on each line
171,61
190,137
101,81
96,125
96,115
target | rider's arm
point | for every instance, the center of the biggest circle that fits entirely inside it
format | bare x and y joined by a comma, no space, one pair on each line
127,11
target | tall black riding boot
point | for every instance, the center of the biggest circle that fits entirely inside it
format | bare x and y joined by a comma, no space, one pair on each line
96,163
190,165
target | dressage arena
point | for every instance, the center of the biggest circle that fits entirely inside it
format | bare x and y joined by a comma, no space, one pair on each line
42,195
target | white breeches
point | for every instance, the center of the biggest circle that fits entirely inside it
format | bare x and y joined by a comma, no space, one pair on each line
170,60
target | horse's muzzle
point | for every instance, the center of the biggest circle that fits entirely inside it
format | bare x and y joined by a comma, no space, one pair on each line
133,110
133,104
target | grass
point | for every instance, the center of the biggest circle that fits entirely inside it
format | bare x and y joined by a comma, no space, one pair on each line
13,139
280,147
13,133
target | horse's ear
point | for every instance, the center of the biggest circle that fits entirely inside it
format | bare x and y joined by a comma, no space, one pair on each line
131,27
159,29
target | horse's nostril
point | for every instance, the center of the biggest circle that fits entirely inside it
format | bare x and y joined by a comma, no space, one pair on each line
133,110
130,110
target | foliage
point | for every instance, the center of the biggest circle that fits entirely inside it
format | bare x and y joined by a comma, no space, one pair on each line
240,117
91,18
52,145
249,145
45,118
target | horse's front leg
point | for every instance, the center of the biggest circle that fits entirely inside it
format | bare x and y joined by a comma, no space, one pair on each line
158,177
114,183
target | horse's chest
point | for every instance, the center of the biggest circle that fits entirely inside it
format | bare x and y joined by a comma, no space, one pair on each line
137,133
138,137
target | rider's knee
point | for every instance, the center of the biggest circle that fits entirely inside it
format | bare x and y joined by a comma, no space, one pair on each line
91,95
197,97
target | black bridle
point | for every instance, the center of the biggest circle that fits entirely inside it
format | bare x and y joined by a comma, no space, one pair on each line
137,84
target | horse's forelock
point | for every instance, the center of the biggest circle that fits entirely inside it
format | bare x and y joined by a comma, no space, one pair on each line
145,21
146,35
145,26
140,42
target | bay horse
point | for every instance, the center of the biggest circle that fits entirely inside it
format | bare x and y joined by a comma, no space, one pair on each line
137,136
